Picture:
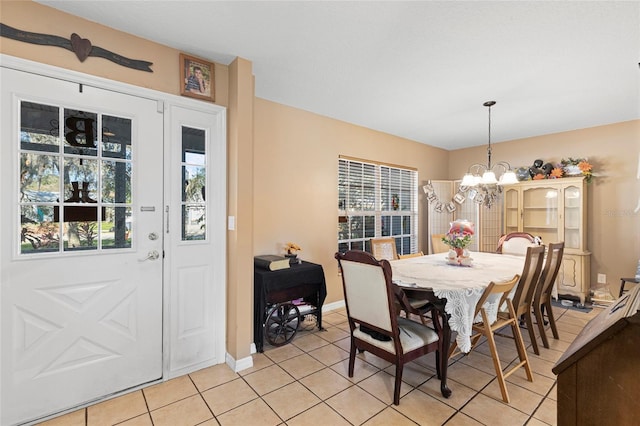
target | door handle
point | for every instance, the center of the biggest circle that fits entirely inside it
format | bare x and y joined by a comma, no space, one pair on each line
153,255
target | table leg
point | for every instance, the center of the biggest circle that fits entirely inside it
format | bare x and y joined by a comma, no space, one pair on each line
441,322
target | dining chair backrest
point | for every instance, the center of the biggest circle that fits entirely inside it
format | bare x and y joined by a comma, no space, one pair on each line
550,272
437,245
542,296
523,296
499,290
407,256
515,243
384,248
367,296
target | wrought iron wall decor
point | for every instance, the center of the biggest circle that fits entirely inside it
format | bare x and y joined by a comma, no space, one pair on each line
82,47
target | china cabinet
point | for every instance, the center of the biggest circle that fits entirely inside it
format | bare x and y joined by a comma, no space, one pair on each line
554,209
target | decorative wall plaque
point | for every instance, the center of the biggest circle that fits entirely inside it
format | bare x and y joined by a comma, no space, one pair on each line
82,47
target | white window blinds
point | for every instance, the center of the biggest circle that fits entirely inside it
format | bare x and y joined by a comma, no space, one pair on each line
376,200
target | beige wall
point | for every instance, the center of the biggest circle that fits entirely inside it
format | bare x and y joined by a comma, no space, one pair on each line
613,233
296,179
283,161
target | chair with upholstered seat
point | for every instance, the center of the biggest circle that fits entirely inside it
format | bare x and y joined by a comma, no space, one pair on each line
495,296
542,296
375,326
437,245
523,297
515,243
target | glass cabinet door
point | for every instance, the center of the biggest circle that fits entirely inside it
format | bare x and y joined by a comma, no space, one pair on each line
511,207
540,213
572,216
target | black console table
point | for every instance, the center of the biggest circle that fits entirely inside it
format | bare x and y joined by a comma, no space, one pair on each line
303,280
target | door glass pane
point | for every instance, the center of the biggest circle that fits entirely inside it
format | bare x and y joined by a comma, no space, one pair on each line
116,228
116,137
40,178
39,127
80,228
39,232
116,182
572,216
194,178
80,132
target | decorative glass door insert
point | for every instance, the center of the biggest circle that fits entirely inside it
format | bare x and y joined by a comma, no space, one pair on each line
75,180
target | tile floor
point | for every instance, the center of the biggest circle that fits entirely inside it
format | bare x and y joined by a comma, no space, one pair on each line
306,383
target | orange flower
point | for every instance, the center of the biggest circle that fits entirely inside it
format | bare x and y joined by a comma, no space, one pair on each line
584,166
557,172
538,177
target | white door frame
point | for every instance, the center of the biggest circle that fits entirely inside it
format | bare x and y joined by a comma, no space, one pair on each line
216,202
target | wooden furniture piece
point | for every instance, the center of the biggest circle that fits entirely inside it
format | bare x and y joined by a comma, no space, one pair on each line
555,210
515,243
384,248
523,296
437,245
487,328
370,300
305,280
623,281
544,288
598,374
406,256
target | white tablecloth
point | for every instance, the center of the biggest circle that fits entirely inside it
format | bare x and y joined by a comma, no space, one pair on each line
462,286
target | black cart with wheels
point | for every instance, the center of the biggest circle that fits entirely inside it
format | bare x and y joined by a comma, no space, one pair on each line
276,318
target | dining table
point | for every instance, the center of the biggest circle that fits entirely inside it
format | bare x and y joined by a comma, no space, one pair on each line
458,287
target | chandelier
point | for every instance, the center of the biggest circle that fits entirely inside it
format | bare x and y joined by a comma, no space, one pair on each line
481,181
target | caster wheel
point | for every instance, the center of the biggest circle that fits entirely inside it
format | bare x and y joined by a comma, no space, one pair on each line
282,323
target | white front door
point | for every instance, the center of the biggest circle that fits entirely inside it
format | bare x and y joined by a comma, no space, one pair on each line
81,244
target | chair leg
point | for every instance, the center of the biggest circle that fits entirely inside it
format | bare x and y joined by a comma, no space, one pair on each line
522,352
496,362
537,310
396,390
352,357
552,320
532,335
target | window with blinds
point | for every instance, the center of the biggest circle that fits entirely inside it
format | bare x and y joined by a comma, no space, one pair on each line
376,200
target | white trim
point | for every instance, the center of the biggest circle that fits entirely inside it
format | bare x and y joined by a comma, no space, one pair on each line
239,365
333,306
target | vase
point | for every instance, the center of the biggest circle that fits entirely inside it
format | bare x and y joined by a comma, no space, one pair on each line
459,251
293,258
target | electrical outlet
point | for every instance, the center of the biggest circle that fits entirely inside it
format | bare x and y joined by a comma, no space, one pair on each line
602,278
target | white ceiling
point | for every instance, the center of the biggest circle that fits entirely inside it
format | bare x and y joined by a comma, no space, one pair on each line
420,69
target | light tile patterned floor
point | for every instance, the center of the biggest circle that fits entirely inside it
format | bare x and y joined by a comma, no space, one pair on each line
306,383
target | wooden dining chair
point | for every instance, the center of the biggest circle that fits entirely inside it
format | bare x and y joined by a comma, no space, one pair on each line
384,248
410,255
375,326
495,296
515,243
525,289
437,246
542,296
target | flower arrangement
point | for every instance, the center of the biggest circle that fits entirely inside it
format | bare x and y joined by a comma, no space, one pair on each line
459,235
291,248
582,164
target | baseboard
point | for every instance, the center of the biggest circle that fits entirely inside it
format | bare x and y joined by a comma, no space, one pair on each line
333,306
239,365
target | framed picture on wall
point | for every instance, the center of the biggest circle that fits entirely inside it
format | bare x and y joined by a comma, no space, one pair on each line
196,78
